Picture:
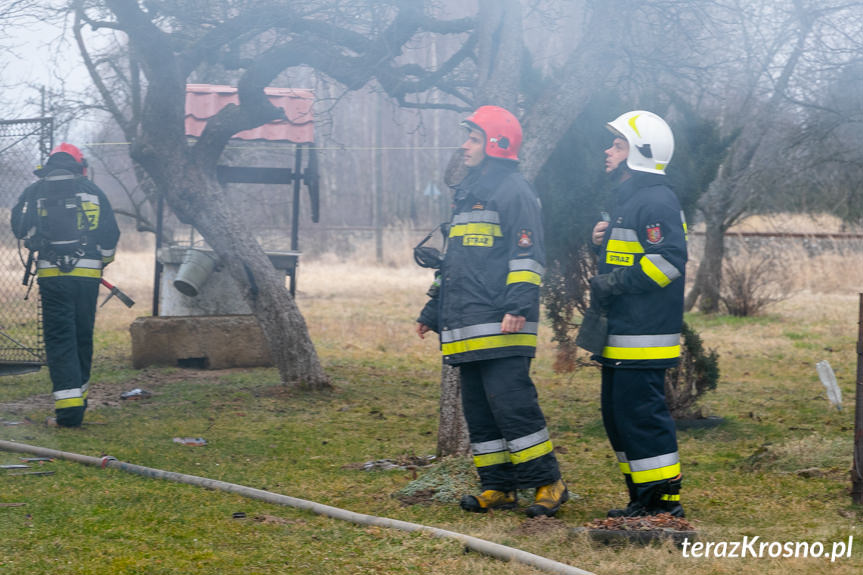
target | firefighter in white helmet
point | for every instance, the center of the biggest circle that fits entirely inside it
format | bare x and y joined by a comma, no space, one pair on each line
639,289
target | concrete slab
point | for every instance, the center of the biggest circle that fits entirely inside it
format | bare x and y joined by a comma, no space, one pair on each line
202,342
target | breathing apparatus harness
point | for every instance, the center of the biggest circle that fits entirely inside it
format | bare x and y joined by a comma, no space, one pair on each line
56,213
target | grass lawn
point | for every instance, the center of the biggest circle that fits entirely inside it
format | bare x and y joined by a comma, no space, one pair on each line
776,468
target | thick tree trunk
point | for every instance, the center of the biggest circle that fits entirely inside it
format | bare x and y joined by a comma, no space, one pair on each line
587,69
284,328
499,53
452,435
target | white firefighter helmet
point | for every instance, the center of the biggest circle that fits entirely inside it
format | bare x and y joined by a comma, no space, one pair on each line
651,143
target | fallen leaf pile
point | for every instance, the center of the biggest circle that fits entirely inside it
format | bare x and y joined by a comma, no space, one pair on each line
664,521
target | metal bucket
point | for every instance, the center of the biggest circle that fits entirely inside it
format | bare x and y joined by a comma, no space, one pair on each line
196,268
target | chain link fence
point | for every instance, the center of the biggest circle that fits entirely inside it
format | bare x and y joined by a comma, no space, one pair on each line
24,144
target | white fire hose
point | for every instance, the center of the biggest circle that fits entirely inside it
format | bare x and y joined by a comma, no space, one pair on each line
480,545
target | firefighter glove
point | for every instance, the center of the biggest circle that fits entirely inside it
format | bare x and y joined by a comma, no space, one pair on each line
606,286
593,331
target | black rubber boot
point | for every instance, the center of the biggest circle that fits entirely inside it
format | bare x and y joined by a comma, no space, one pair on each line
658,497
633,500
668,498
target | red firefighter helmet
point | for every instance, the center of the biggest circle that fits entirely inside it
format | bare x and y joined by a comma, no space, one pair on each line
502,131
65,156
71,150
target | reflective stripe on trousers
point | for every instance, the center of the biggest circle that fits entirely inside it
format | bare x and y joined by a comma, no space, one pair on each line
638,423
508,434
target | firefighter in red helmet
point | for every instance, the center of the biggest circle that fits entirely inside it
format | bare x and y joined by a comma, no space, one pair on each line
67,220
486,311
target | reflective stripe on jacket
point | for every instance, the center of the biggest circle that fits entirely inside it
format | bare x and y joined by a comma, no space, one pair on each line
647,237
493,265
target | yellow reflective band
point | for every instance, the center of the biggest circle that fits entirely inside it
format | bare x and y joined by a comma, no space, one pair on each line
670,497
654,273
659,474
489,342
77,272
669,352
532,453
478,228
523,277
491,459
624,246
71,402
616,259
89,220
624,467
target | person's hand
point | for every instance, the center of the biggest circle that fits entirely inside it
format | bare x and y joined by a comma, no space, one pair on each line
512,323
422,329
599,232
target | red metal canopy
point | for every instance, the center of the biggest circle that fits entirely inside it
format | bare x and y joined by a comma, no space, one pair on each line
203,101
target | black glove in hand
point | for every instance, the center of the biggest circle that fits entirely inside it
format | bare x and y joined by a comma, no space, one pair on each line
604,286
593,332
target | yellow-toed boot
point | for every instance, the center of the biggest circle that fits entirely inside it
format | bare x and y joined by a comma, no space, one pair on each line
549,498
489,499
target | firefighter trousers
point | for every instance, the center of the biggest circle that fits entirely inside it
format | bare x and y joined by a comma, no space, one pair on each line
639,425
508,434
68,316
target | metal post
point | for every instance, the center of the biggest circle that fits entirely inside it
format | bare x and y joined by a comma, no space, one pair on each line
295,215
157,275
857,470
378,180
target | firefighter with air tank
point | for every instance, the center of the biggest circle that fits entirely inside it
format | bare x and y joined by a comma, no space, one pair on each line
67,221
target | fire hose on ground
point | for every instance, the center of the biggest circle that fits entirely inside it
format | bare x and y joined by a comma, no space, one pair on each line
480,545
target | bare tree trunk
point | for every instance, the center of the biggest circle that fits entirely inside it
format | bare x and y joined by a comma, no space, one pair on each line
708,279
587,68
452,435
291,348
499,53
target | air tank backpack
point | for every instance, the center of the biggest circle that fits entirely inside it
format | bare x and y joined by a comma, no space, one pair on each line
62,221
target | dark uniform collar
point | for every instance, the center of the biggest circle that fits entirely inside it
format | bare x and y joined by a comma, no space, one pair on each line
483,180
639,180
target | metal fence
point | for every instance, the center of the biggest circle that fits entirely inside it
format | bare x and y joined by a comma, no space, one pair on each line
24,144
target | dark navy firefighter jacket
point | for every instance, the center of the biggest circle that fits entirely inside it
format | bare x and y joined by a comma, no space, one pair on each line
647,238
493,265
